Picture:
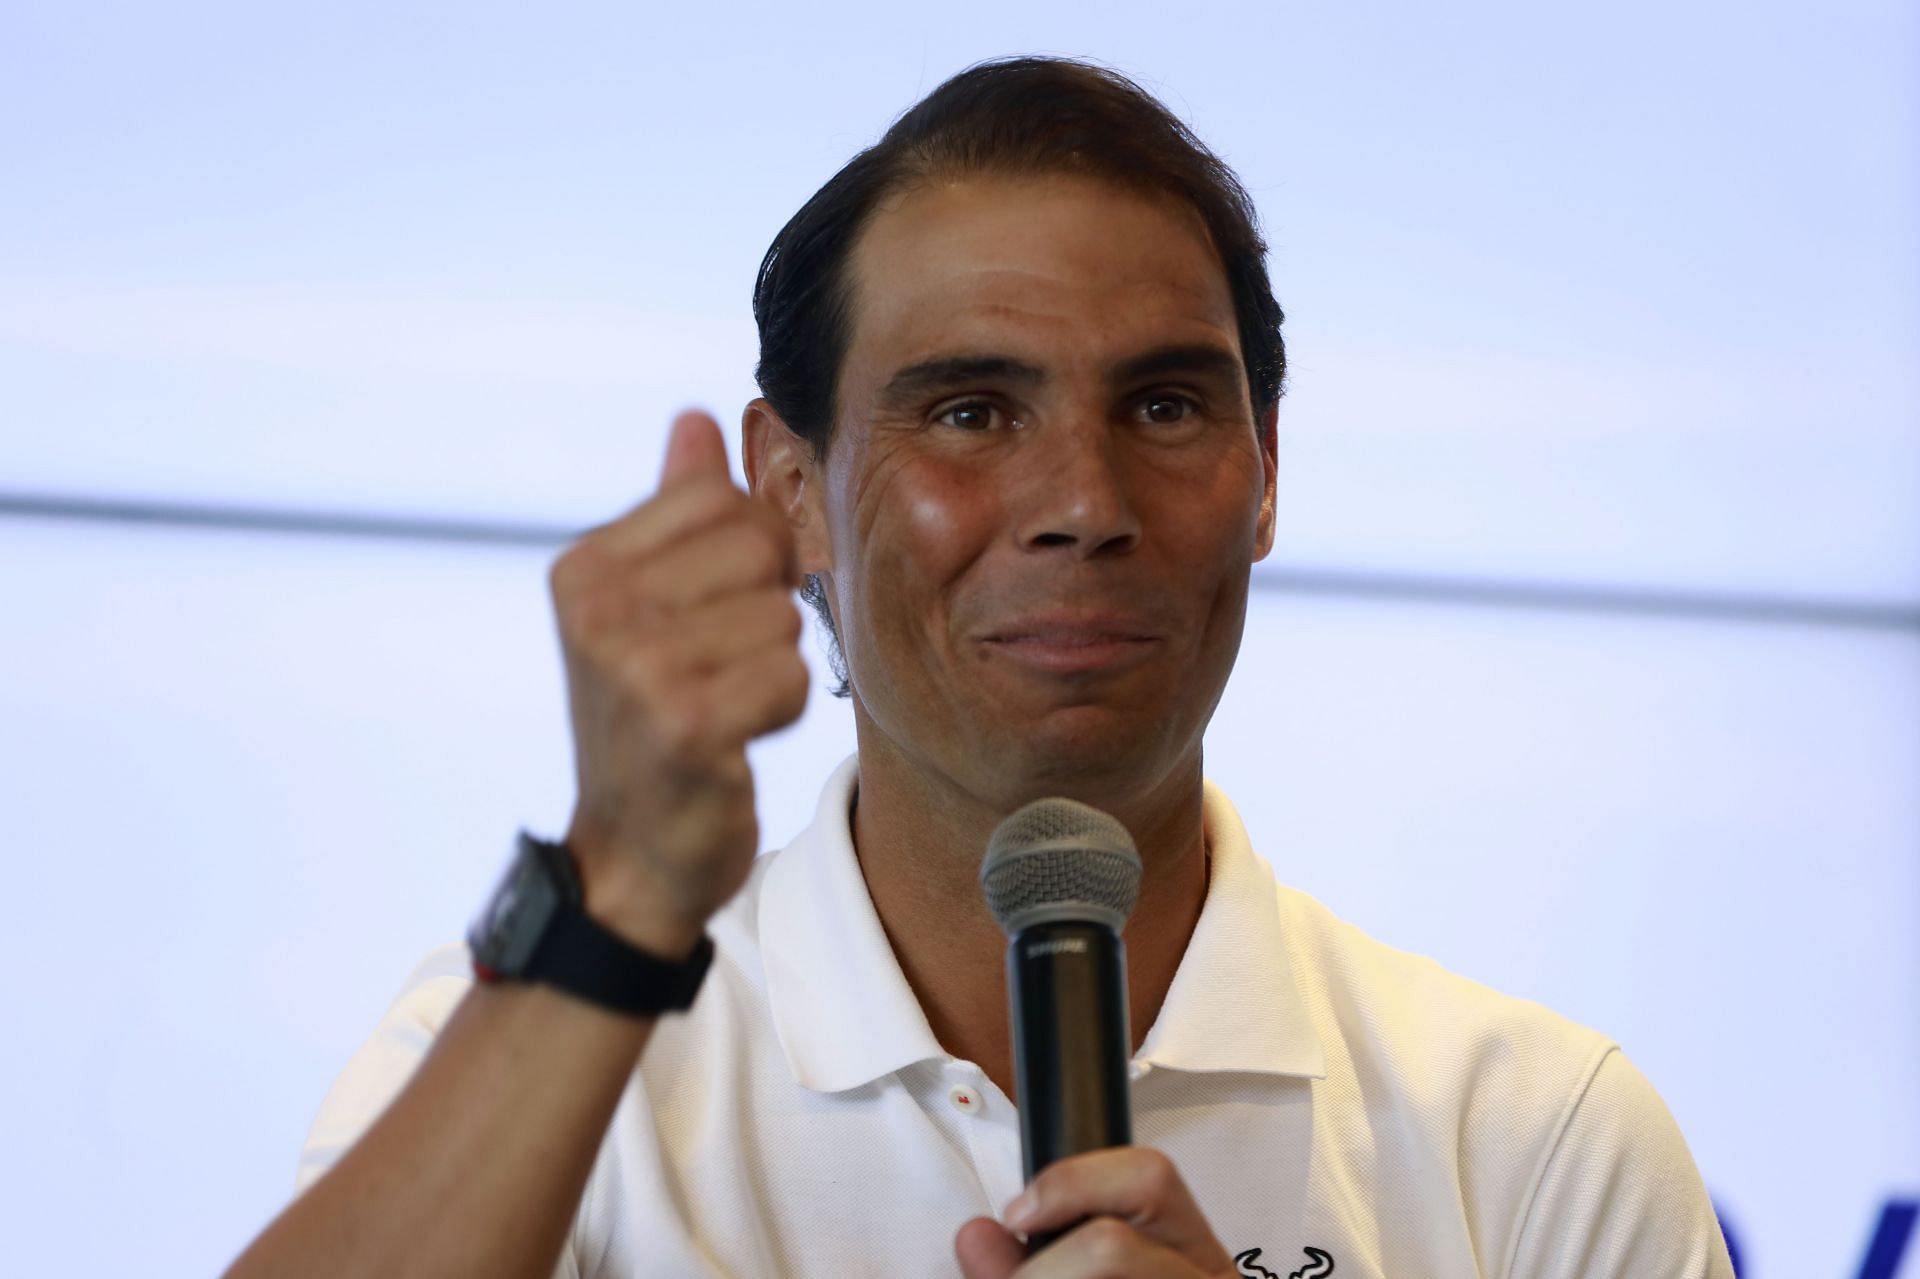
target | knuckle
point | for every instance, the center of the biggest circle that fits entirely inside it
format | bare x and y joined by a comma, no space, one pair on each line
1158,1174
563,575
679,725
792,625
797,680
1106,1240
585,598
717,489
581,613
643,676
779,532
707,499
762,552
774,616
1068,1176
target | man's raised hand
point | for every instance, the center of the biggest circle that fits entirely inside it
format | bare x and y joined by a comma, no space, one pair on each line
681,640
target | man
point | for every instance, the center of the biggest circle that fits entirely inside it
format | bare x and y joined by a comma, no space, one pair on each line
1021,367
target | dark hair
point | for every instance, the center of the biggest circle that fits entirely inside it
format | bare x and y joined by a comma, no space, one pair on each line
1014,116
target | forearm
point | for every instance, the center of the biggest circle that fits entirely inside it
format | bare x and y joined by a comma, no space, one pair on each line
681,643
477,1167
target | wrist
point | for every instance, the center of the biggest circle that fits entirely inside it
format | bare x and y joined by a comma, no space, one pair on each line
624,895
641,914
536,928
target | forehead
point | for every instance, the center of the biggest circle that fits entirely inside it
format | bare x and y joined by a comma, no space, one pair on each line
1055,261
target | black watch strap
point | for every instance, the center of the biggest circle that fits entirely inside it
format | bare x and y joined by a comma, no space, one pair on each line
536,928
581,956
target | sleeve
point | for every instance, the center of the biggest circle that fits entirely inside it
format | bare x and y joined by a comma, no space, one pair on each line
377,1072
1620,1196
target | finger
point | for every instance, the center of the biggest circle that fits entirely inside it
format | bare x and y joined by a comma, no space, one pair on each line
987,1250
611,549
738,555
1109,1246
734,627
695,491
1137,1184
754,697
694,446
693,507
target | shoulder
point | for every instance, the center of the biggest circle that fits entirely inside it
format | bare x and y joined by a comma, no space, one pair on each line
1551,1139
1466,1086
1620,1193
1412,1015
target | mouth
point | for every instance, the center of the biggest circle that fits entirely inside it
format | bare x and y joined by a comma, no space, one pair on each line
1072,647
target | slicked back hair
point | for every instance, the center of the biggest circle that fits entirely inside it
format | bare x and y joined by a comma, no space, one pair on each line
1013,117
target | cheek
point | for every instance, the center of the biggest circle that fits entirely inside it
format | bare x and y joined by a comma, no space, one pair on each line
1207,517
934,519
927,524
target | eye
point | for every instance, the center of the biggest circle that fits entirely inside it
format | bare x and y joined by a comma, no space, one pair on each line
1187,406
970,415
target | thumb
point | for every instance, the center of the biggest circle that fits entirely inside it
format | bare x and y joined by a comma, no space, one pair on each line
987,1250
694,444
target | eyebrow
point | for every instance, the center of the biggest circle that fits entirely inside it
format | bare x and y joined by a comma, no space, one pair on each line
946,372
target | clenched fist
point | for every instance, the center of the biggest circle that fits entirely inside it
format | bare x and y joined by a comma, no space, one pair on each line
681,639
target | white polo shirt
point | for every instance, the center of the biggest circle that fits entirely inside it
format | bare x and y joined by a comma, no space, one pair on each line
1317,1090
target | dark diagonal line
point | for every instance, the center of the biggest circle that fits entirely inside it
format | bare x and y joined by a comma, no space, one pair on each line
1541,596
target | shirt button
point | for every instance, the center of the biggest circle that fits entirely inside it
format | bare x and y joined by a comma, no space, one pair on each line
965,1098
1138,1069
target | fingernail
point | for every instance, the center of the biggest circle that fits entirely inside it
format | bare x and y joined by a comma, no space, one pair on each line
1020,1209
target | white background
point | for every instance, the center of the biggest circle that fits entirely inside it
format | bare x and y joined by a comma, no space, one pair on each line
1589,661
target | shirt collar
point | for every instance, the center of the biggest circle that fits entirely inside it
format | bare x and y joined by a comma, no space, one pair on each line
1235,1002
846,1016
843,1010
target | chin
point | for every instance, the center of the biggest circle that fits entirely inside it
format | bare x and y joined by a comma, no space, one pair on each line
1082,753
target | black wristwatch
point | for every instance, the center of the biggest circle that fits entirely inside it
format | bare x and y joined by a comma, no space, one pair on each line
536,928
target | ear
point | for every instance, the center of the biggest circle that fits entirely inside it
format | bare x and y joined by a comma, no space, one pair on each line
782,472
1269,458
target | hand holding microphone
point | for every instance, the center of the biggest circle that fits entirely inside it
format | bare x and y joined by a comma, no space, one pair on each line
1061,879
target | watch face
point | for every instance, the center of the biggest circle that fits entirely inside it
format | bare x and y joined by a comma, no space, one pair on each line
500,913
511,927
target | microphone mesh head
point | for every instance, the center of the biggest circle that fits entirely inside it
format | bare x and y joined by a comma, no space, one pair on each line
1060,859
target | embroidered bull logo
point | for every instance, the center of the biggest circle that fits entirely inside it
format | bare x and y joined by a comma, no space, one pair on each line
1319,1265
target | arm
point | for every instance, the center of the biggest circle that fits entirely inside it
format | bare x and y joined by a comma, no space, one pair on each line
478,1165
1620,1196
680,636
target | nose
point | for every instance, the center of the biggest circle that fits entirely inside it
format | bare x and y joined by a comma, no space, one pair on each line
1077,492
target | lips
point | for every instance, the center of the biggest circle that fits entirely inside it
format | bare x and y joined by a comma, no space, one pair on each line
1067,634
1072,645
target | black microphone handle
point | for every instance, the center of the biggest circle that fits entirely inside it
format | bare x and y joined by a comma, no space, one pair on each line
1067,984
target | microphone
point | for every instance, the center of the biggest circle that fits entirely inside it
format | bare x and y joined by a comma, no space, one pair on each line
1061,878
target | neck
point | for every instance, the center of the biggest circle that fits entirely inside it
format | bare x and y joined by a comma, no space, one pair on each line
920,836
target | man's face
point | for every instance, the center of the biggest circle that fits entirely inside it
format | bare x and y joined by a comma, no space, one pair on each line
1046,487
